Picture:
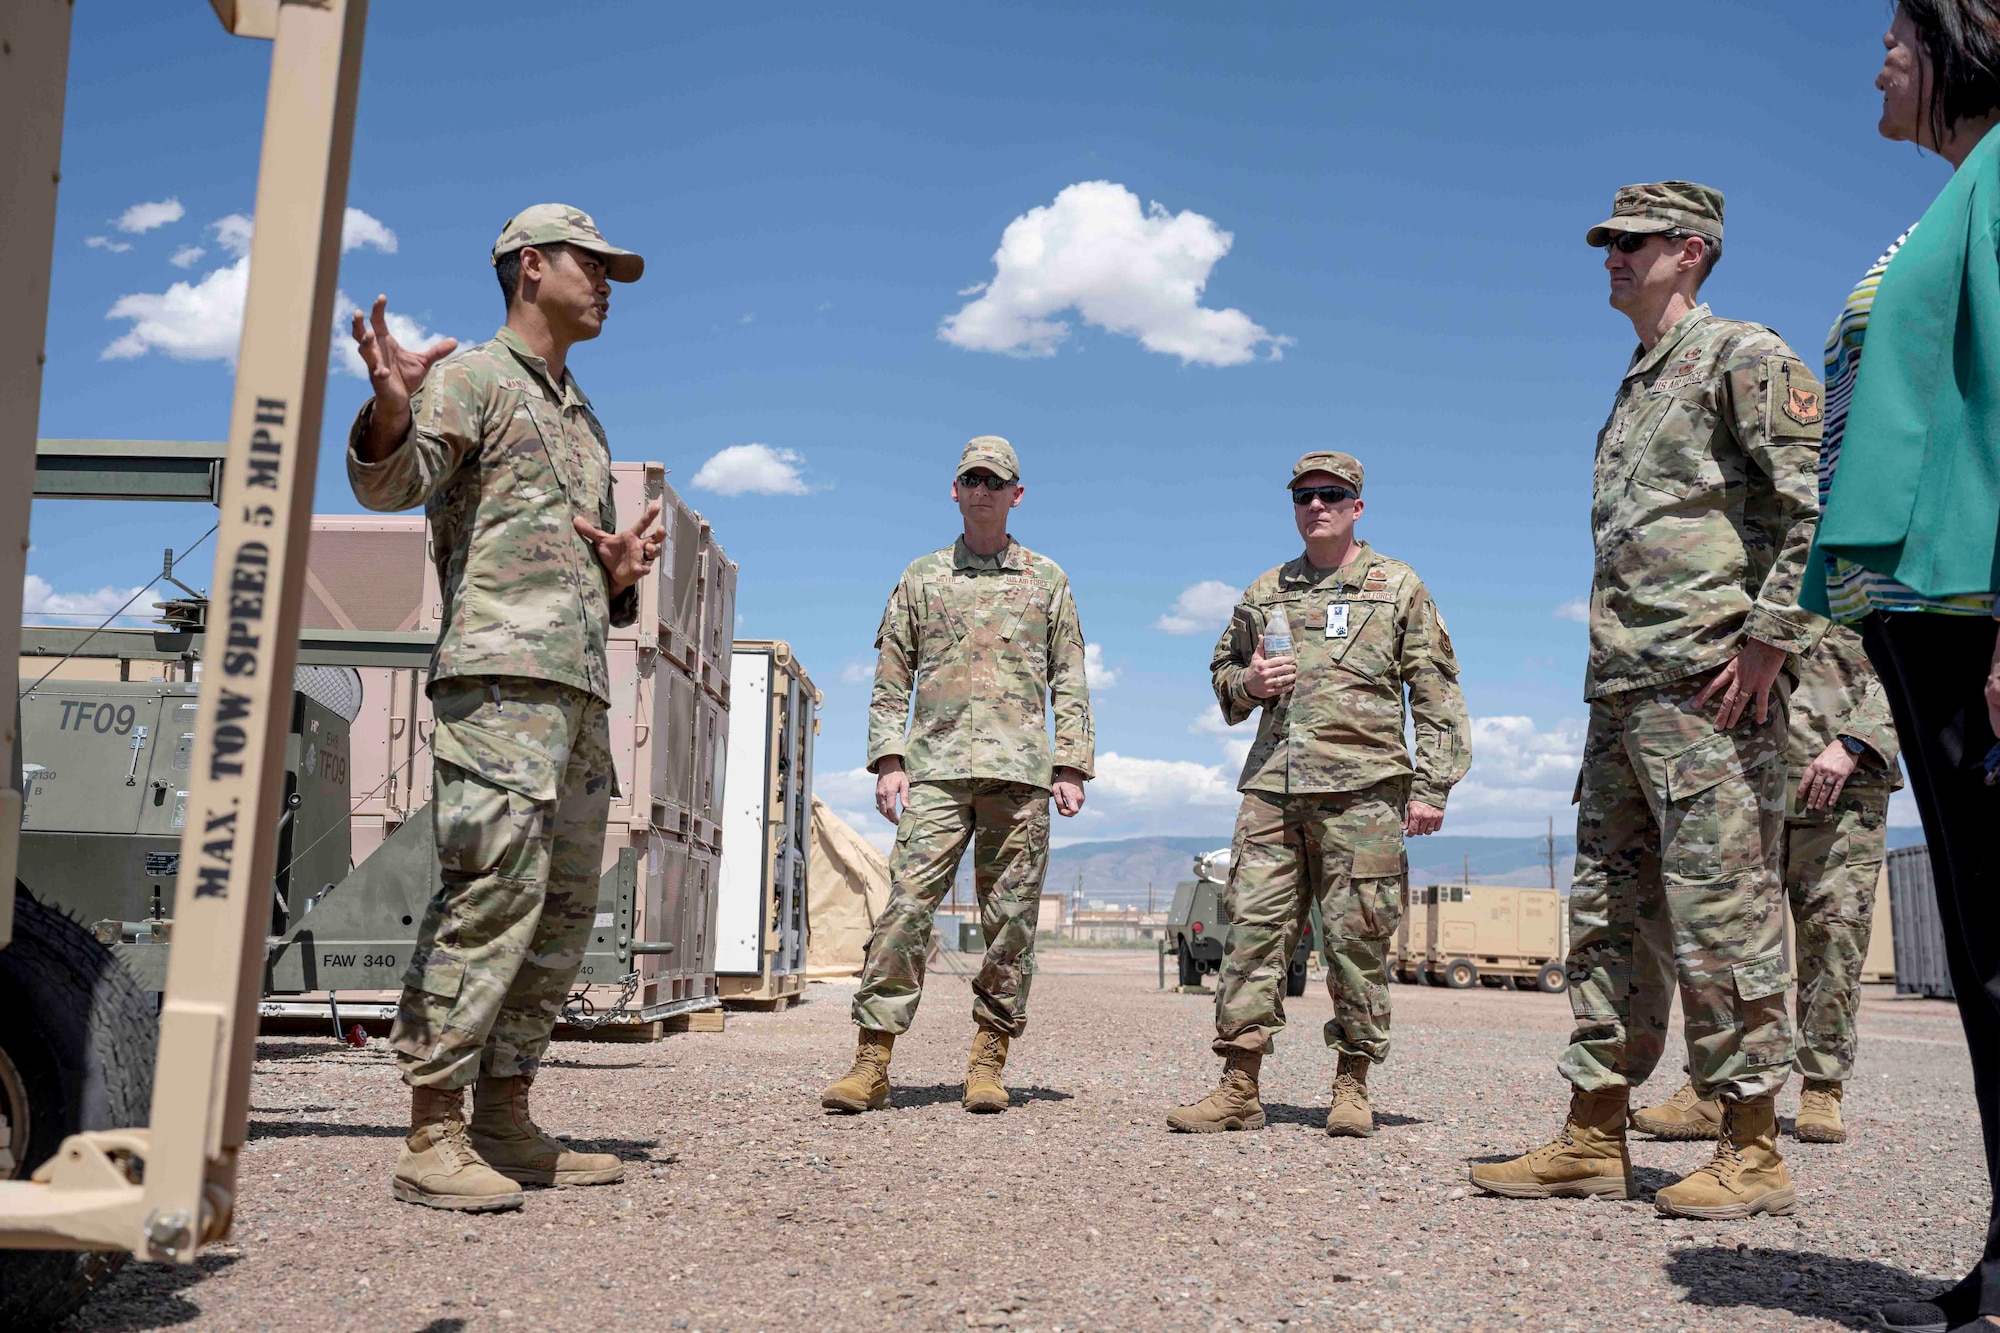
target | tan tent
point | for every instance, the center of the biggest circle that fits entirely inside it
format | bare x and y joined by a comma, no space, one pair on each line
847,886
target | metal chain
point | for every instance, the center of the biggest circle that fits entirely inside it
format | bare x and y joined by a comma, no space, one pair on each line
584,1019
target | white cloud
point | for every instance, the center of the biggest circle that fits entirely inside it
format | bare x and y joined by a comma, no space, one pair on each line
1132,270
405,330
1520,776
1097,675
39,597
850,793
1201,608
187,256
1235,741
1125,783
106,243
753,469
857,672
358,229
141,218
232,233
1576,608
190,321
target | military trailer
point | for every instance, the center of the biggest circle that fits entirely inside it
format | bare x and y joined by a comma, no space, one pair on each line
1197,926
1494,935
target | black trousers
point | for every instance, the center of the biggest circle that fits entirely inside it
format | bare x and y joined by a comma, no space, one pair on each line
1934,668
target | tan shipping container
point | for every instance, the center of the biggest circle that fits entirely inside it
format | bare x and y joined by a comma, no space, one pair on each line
1485,931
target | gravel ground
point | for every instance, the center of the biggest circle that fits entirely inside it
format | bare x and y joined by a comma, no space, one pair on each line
746,1208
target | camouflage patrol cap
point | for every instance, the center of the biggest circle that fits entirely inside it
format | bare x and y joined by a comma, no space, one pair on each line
992,453
1661,206
1344,466
545,224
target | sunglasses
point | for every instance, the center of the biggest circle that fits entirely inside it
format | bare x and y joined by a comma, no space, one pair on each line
1328,495
986,479
1630,242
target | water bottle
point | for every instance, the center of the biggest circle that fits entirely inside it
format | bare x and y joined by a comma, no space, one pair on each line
1277,635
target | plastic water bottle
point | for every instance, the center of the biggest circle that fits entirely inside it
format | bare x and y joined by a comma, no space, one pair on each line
1277,635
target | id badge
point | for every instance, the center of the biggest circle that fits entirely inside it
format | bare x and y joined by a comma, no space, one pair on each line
1336,620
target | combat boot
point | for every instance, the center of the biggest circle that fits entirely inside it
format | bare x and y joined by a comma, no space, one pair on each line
865,1087
1233,1104
1819,1114
984,1092
438,1166
1350,1116
1588,1157
1681,1116
1745,1176
521,1150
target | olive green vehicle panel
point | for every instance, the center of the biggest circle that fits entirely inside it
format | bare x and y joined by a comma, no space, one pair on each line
1200,900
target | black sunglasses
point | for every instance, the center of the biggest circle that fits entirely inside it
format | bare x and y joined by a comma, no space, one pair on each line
1629,242
1331,495
986,479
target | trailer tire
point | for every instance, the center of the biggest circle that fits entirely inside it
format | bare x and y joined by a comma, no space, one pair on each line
1295,979
1190,970
1460,974
76,1053
1432,977
1553,979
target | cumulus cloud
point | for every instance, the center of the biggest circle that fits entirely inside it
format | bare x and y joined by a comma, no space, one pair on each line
850,793
1158,784
1095,673
1131,270
854,671
753,469
39,598
1576,608
202,319
1201,608
1520,776
141,218
1235,741
358,229
106,243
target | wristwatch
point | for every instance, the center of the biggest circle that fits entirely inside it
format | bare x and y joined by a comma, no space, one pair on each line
1854,747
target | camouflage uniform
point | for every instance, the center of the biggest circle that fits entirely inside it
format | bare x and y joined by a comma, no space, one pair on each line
1704,505
501,457
985,642
1325,786
1833,856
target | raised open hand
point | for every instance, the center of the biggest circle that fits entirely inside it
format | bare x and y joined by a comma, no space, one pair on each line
627,554
395,371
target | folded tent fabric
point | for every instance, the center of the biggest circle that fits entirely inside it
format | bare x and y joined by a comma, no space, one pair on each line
1917,493
847,886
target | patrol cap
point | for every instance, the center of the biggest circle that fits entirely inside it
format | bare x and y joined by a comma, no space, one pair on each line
1661,206
1344,466
992,453
546,224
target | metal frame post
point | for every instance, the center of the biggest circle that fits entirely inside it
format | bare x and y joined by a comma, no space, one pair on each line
85,1195
34,69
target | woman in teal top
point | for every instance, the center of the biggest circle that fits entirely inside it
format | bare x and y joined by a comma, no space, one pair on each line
1910,537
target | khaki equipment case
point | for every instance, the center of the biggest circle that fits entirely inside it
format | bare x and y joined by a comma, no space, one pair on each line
1494,934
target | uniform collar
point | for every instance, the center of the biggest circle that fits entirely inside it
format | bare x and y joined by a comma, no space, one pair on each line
1014,557
567,393
1644,361
1302,573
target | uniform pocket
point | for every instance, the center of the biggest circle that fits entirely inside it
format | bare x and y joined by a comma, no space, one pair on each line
1378,855
487,830
1762,978
440,974
1712,759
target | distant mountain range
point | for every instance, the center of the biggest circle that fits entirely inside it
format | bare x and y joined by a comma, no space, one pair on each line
1129,871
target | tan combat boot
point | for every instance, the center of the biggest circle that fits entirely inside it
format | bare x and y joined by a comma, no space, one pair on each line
438,1166
1681,1116
1819,1114
984,1092
1745,1176
1588,1157
521,1150
865,1087
1233,1104
1350,1115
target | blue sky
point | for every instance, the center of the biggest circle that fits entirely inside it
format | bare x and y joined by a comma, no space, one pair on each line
1403,192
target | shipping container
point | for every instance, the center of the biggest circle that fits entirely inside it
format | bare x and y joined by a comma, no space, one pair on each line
773,721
